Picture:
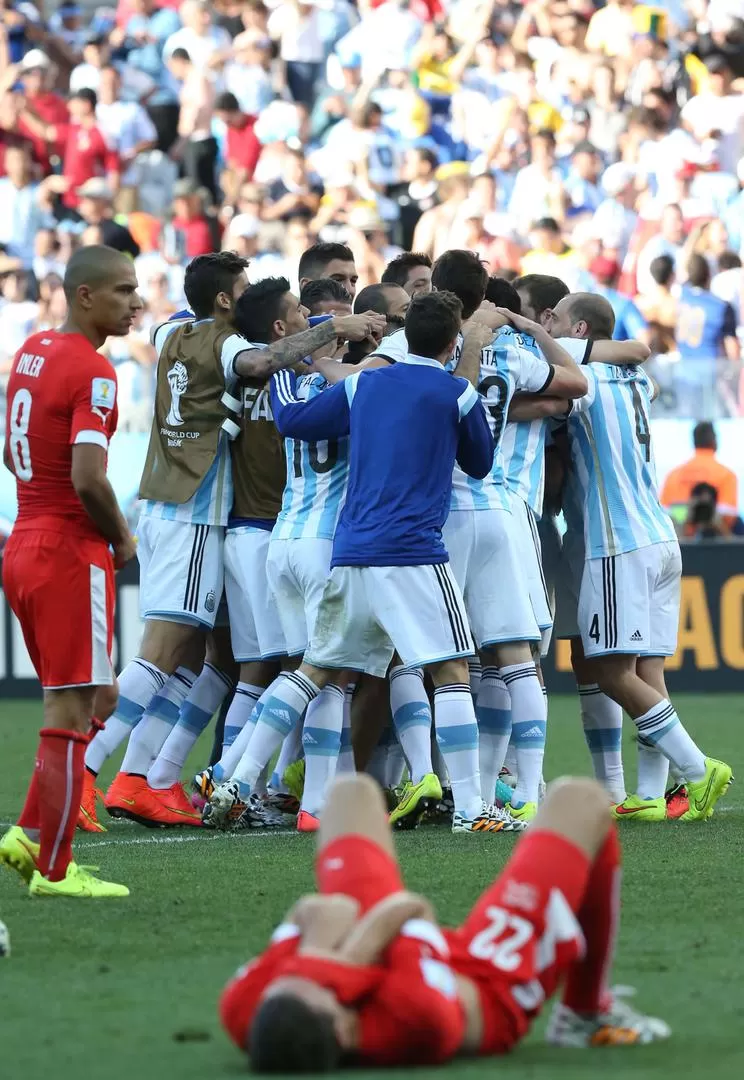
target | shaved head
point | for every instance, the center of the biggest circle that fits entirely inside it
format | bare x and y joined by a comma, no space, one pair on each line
101,290
583,315
94,266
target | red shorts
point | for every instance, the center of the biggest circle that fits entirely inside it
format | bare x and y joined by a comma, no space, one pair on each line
522,935
61,589
359,868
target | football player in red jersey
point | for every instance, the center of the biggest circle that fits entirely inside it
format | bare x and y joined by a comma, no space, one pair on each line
362,972
58,565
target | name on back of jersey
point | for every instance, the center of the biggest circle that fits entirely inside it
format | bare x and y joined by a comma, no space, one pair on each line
30,364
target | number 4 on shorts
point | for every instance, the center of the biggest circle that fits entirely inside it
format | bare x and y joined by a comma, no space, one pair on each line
594,629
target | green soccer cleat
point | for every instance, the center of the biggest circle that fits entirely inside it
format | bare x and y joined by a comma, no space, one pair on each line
633,807
415,800
525,813
19,853
77,883
294,779
704,794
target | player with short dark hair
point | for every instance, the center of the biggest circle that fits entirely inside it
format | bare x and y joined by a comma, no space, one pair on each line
329,260
58,570
502,293
462,273
411,270
362,973
208,275
324,296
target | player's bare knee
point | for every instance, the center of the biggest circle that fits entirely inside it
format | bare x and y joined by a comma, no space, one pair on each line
447,672
578,809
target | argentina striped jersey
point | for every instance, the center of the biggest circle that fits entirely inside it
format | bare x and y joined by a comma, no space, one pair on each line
317,473
523,444
613,463
506,366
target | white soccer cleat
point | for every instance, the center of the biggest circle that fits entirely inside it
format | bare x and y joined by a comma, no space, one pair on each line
620,1025
257,815
224,807
490,820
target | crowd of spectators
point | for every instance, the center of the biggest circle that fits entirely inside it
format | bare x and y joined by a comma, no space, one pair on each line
603,143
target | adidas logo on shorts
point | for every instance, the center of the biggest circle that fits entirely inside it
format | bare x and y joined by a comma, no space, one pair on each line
637,636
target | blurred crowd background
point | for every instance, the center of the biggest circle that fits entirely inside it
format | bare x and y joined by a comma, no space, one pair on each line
601,142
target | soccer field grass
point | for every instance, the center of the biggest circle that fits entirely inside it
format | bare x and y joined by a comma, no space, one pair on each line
126,990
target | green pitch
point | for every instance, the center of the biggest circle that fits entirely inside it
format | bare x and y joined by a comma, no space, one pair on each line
126,990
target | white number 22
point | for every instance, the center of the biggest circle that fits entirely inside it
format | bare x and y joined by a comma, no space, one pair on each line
504,954
20,451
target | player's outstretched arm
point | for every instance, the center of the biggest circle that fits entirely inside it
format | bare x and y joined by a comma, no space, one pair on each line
620,353
326,416
263,363
88,474
567,381
475,446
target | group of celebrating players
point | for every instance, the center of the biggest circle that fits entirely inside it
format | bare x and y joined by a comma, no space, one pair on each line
340,548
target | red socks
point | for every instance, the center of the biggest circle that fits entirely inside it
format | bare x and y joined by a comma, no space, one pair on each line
29,817
59,778
586,985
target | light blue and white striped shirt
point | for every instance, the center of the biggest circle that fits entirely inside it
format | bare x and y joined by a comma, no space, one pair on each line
506,366
523,444
613,463
317,474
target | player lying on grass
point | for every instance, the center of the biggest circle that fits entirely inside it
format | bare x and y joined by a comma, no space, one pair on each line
363,972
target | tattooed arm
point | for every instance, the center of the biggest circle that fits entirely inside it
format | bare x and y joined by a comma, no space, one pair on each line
284,353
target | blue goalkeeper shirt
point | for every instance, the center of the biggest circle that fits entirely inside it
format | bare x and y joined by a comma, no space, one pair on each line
408,423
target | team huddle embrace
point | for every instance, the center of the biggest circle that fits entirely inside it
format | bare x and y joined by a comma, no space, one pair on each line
348,545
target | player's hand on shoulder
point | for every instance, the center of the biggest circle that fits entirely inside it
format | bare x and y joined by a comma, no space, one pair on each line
487,315
479,333
359,327
124,551
520,322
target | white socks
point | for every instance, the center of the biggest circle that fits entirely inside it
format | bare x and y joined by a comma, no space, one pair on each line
289,696
412,719
602,720
457,735
157,723
661,728
207,695
346,754
321,740
139,682
529,724
493,713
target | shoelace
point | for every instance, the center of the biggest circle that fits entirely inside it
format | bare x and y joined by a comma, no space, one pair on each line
497,813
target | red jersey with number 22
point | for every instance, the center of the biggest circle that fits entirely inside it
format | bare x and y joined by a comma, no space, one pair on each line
61,392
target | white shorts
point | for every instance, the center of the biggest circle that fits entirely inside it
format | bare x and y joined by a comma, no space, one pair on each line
369,611
629,603
489,569
568,586
181,570
255,629
524,525
298,571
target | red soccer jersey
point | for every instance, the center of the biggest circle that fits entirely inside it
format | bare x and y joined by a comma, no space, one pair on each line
243,147
60,392
52,109
408,1008
86,154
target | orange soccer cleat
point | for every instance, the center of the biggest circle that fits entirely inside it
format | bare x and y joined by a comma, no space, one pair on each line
177,806
131,797
88,817
307,822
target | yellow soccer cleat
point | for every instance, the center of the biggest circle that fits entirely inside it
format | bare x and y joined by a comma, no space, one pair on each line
19,853
294,779
704,794
526,812
77,883
415,800
634,808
